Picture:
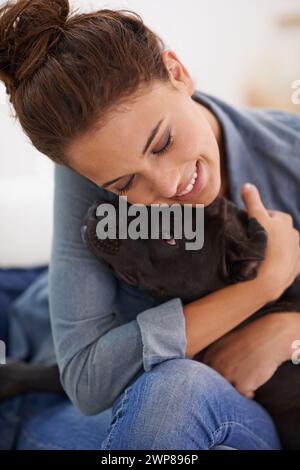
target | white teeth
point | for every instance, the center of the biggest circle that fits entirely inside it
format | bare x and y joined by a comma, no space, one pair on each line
190,185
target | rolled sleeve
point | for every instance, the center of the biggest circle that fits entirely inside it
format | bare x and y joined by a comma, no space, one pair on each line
163,332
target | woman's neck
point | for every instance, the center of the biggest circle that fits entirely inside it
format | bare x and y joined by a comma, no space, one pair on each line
218,132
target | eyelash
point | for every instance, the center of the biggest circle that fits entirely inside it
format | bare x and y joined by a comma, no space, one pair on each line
126,188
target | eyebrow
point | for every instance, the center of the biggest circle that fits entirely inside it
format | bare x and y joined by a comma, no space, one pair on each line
147,145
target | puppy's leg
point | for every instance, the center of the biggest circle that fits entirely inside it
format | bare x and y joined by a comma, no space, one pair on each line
20,377
280,396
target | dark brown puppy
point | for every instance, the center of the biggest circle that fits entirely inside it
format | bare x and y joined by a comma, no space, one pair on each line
233,248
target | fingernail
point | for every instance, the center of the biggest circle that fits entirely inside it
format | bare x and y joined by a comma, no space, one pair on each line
248,186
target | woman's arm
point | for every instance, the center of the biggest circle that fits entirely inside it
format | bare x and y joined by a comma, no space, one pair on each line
98,353
249,357
218,313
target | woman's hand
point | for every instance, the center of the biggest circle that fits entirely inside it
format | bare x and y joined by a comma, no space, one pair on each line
282,262
248,357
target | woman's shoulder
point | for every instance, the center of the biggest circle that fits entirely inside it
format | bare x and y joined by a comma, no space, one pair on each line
271,131
260,128
69,182
276,118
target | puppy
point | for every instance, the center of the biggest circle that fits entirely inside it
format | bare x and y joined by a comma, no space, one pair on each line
234,246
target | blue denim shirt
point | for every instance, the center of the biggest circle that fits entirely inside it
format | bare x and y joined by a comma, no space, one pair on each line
106,333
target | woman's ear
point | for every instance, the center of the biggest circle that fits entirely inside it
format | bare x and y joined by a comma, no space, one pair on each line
243,255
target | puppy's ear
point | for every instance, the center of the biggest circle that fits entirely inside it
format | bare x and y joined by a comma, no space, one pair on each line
99,247
243,254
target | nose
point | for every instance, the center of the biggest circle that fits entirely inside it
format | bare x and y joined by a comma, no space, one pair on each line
164,183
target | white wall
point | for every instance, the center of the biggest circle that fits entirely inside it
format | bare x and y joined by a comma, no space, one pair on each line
217,40
26,196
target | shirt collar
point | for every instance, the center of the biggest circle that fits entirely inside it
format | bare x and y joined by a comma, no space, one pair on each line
239,161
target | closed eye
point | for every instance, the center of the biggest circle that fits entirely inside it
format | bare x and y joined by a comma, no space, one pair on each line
125,188
166,146
163,150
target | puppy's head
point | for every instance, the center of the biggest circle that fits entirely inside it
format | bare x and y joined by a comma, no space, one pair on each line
233,248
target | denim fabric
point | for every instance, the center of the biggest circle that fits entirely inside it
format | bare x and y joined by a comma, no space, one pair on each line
180,404
53,423
10,422
12,283
263,148
30,337
185,405
107,335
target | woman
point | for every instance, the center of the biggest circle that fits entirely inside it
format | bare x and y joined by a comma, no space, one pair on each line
98,94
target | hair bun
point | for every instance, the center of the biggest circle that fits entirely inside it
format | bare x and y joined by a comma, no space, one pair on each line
28,29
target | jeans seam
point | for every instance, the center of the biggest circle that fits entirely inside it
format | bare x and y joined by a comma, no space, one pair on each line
228,423
118,414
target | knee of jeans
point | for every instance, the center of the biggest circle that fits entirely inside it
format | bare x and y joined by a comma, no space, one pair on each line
186,376
169,396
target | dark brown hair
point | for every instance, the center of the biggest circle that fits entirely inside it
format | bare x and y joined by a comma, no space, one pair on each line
64,72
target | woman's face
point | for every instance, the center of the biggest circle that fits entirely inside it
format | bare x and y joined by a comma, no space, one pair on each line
159,145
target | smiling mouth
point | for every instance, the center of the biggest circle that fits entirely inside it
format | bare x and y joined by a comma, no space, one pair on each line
191,183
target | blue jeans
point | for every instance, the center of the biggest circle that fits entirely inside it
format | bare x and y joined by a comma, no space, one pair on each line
180,404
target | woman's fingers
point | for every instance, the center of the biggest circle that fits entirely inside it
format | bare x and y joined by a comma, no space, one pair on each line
253,202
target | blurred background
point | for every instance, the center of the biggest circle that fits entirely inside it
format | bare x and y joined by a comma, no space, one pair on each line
245,52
